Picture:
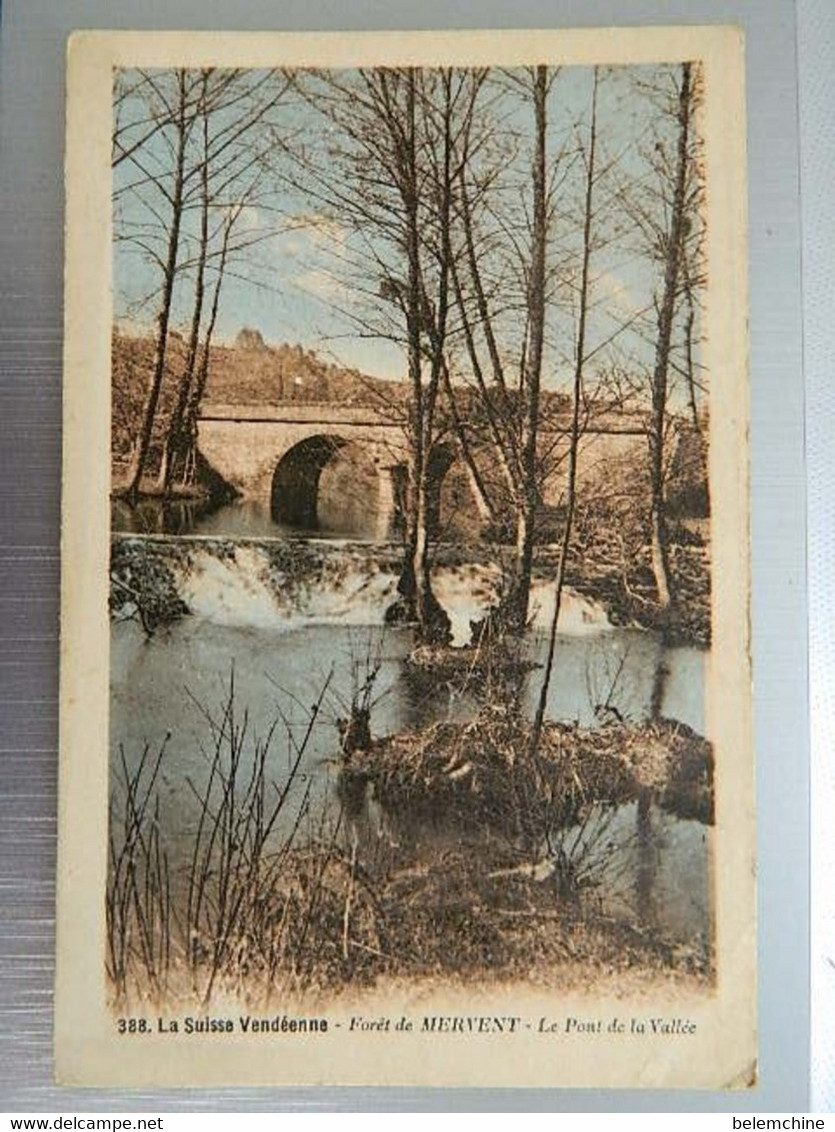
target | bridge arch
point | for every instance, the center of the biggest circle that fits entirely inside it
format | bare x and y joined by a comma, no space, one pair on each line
335,484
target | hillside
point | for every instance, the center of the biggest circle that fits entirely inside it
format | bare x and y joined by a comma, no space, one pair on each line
253,372
248,372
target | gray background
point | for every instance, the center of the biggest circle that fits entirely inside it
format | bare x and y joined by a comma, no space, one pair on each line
816,42
31,150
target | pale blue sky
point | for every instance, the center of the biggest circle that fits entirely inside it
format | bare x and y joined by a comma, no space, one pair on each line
298,282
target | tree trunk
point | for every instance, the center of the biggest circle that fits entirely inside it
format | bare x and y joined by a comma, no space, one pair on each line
500,431
527,494
412,573
576,398
485,503
415,585
143,442
199,387
176,442
658,519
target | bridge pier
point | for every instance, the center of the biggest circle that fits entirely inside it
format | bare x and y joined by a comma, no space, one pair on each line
386,502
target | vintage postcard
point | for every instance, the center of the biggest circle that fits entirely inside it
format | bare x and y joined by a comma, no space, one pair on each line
406,710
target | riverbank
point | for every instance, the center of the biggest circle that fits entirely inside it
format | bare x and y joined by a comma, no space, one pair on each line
625,587
443,851
351,914
437,933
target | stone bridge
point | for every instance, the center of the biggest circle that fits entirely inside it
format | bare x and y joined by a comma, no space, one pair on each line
306,462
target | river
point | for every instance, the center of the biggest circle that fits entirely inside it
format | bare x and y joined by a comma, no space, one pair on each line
239,519
283,652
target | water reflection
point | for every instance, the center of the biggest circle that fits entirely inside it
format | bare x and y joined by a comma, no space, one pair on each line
646,861
167,682
650,868
245,519
157,517
174,680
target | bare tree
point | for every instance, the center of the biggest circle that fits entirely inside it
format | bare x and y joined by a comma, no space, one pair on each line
576,403
179,111
393,178
527,490
510,411
199,149
173,440
196,388
229,173
667,209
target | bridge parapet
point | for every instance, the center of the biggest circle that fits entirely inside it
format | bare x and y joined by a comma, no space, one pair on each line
289,413
330,413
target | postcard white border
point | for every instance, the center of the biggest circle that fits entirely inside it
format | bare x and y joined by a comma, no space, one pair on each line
86,1048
